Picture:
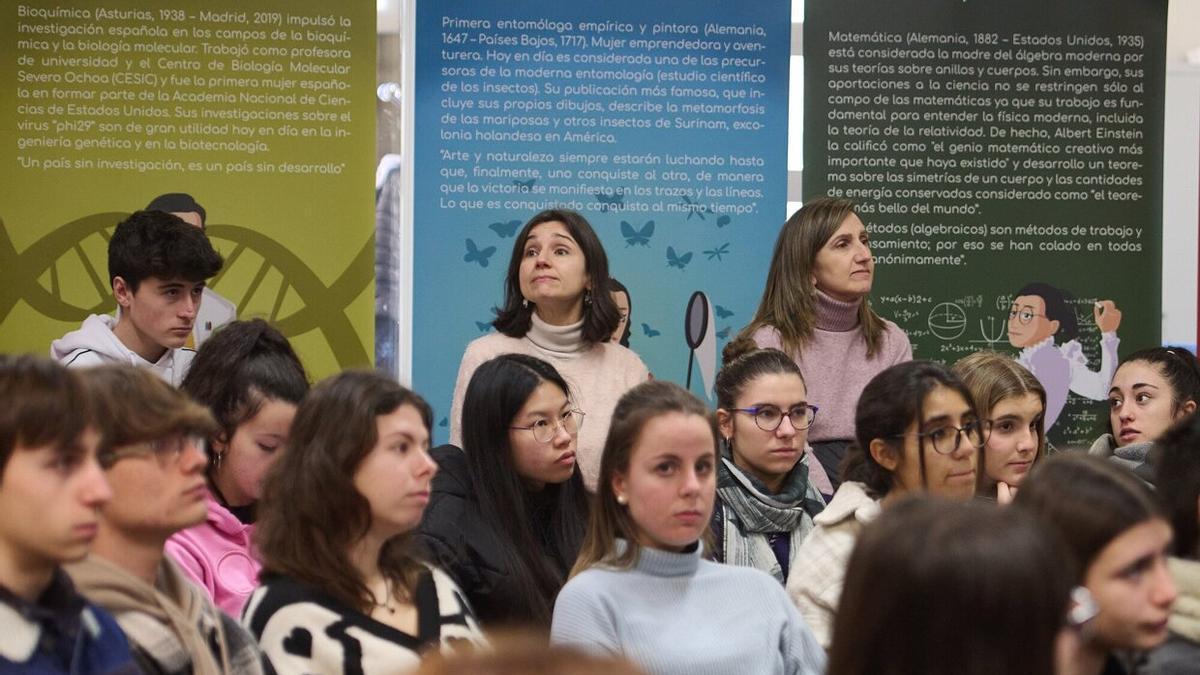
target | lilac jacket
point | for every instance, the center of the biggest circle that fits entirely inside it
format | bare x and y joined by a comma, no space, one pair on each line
216,555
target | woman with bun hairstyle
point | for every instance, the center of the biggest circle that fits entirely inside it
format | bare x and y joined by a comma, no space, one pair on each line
642,588
1013,404
766,498
508,510
917,433
1151,390
343,590
557,307
1118,540
936,587
815,308
251,380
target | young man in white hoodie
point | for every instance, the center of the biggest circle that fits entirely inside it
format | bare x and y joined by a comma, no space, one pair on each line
158,266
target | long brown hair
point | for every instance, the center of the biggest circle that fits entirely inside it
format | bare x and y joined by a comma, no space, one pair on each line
993,377
610,520
311,514
789,298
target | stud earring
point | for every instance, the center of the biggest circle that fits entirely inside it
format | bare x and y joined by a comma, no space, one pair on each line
525,303
622,500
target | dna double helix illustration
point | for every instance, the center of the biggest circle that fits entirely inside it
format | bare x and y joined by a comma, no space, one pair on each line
282,288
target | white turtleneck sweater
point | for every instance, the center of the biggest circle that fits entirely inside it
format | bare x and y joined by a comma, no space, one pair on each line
676,613
598,375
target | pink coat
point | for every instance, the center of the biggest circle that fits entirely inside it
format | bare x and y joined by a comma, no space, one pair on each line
216,555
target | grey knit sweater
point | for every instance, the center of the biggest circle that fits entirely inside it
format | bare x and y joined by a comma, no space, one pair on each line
675,613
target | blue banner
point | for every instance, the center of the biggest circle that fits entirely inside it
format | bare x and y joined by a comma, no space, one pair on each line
665,124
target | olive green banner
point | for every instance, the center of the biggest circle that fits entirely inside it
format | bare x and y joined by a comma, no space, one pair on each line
262,111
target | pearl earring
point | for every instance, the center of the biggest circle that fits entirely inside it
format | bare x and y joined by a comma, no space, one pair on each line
622,500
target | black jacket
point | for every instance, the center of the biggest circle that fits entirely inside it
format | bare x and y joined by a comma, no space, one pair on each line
455,536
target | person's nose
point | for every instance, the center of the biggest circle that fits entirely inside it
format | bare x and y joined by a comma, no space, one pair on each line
96,491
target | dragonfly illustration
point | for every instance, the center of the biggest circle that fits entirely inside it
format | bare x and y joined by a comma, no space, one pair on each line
694,208
718,251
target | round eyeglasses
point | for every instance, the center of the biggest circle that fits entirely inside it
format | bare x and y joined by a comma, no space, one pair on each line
544,430
946,440
1025,316
769,417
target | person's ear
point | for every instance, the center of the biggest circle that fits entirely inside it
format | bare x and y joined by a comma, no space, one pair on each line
725,423
122,292
1054,327
619,484
884,454
1187,409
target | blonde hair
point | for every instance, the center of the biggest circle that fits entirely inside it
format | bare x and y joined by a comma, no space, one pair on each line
789,298
993,377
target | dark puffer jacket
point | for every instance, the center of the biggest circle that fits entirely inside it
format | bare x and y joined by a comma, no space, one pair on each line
456,536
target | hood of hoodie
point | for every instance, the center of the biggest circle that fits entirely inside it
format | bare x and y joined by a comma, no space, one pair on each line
96,335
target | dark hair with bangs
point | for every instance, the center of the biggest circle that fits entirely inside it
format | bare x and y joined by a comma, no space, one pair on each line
600,317
497,392
160,245
311,513
240,367
891,401
44,404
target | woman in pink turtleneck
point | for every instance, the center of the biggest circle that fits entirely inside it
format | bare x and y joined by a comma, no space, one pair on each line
814,306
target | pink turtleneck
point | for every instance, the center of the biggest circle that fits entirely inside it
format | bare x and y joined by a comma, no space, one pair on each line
835,365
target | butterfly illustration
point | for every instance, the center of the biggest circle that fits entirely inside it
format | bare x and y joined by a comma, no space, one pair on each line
525,185
679,261
505,229
444,423
634,236
476,254
718,251
723,221
482,326
722,313
610,200
724,332
694,208
650,332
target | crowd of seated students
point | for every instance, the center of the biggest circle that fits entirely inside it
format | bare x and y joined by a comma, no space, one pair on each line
165,511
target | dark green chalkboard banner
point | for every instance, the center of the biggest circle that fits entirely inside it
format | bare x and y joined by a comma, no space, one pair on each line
991,145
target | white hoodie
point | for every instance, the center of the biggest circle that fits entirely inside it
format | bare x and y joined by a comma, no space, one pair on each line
95,344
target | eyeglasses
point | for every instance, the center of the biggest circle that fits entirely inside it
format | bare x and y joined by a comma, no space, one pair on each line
945,440
1023,315
166,450
544,430
769,417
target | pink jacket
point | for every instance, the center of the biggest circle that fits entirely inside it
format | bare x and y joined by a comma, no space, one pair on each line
217,557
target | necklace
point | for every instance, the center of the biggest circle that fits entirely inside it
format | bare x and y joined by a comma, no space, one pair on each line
387,603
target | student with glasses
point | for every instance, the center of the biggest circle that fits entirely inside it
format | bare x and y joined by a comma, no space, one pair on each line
765,500
153,451
509,509
917,432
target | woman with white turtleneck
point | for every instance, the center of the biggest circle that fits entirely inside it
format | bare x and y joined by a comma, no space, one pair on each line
815,308
553,310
